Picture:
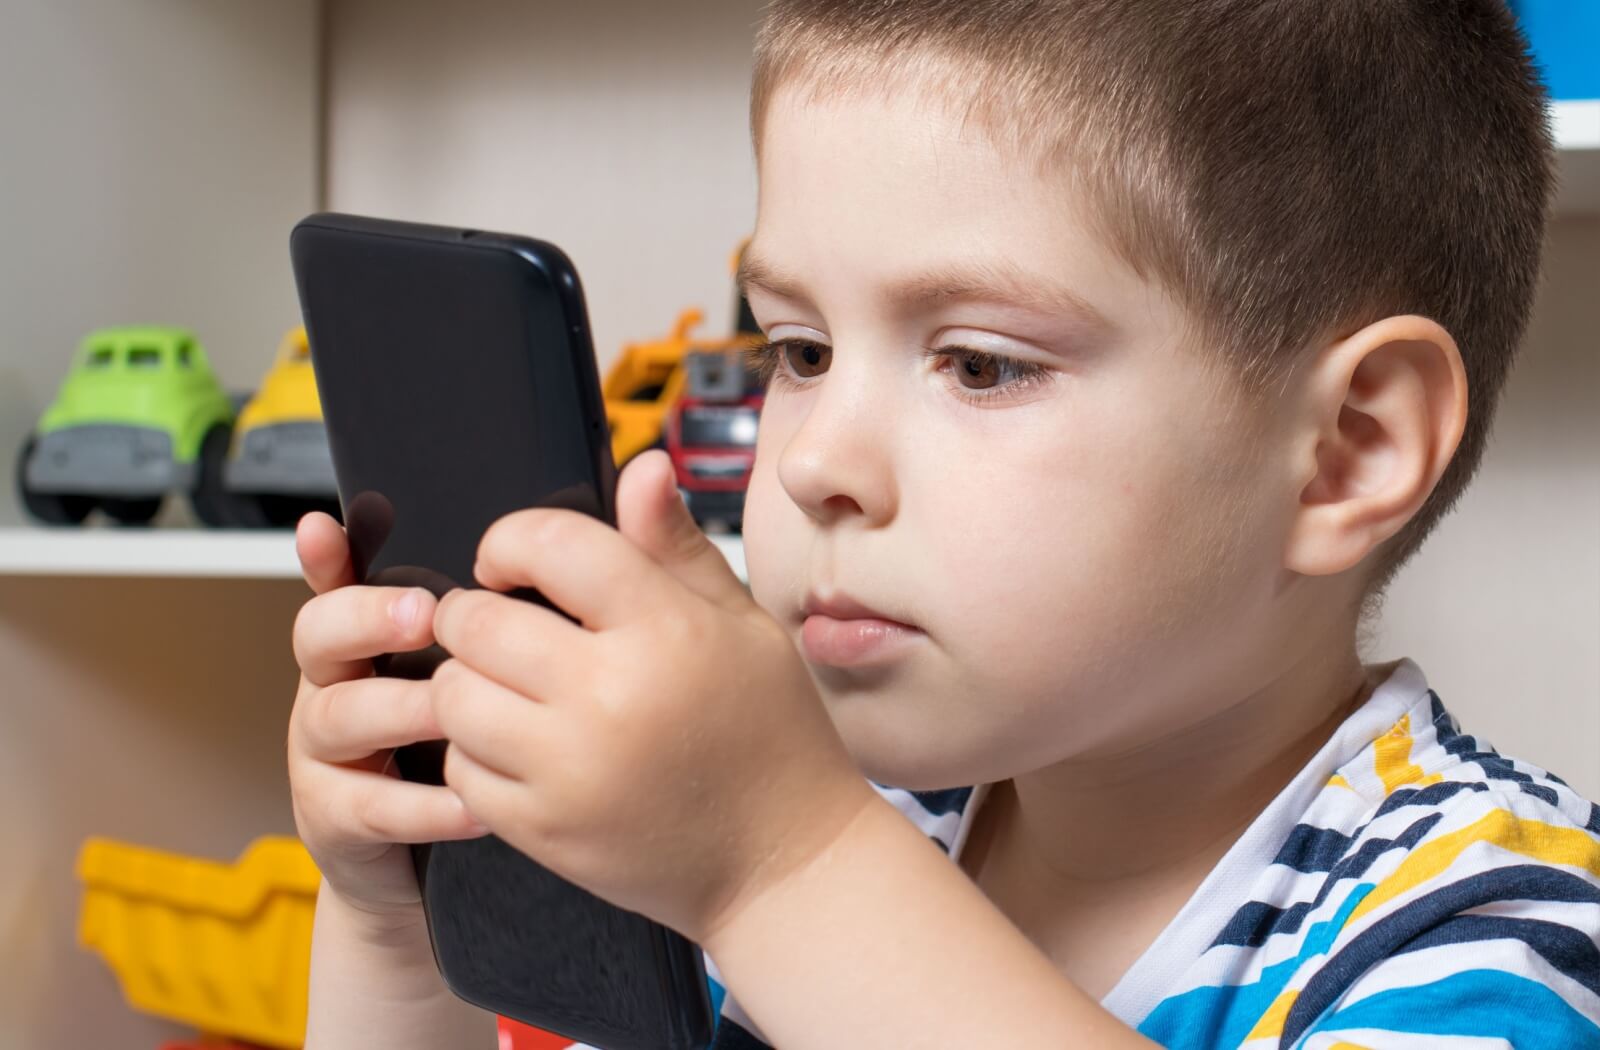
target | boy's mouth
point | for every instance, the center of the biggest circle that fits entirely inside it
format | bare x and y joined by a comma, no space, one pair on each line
840,631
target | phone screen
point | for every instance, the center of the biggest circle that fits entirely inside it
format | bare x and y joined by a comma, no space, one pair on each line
465,359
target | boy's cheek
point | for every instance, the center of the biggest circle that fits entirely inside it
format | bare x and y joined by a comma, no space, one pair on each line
774,545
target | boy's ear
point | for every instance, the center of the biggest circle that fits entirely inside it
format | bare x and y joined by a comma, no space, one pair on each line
1384,410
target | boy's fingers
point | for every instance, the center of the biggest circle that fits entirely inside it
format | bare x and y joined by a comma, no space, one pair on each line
324,552
351,720
374,807
500,728
652,514
522,646
335,634
585,567
487,796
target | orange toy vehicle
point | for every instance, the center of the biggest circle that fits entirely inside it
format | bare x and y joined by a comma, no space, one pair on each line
646,381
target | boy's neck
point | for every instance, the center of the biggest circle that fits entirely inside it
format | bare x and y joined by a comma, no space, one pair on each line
1092,858
1178,799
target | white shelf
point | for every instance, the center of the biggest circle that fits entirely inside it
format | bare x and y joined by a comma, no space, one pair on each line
108,551
1576,125
230,554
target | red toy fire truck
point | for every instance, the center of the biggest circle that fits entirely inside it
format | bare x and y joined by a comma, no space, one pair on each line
711,436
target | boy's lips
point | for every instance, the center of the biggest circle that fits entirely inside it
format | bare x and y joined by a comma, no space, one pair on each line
840,631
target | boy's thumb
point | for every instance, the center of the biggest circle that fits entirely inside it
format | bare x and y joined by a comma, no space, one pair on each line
652,514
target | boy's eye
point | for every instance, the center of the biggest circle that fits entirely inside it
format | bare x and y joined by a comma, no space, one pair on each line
807,359
786,360
977,371
993,374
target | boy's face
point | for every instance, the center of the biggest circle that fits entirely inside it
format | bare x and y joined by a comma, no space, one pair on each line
1089,554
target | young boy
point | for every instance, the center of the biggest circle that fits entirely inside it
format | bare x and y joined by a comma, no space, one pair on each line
1120,351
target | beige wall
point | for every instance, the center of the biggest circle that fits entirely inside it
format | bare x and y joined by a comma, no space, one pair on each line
618,130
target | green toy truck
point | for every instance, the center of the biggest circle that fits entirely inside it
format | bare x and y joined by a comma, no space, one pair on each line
139,415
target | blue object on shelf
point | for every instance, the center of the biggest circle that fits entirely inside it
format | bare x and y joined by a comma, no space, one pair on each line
1565,36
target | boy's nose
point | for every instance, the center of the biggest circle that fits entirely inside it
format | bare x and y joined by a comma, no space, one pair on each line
838,463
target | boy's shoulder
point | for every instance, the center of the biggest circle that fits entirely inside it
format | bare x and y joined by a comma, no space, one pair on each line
1427,888
1423,784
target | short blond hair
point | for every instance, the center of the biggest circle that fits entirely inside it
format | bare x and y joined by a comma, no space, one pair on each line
1290,170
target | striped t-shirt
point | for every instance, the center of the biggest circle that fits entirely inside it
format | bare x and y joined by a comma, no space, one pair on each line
1410,887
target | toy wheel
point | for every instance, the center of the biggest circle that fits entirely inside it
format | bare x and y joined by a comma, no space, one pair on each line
270,510
245,508
283,512
211,502
50,508
287,511
132,511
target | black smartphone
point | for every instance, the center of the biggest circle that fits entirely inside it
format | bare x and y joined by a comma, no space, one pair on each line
458,384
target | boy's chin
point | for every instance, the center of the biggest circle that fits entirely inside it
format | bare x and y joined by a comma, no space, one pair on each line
898,730
900,763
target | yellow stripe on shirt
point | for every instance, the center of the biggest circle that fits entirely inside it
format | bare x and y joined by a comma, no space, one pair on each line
1531,838
1271,1023
1392,759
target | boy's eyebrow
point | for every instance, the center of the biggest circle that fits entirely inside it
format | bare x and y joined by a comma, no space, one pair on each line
979,282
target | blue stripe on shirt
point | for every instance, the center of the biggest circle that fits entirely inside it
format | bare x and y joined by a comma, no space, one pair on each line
1481,1004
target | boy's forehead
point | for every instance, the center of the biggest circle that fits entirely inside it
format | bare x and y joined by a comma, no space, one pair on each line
908,194
890,158
910,140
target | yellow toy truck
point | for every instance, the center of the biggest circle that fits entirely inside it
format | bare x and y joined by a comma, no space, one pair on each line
278,465
223,947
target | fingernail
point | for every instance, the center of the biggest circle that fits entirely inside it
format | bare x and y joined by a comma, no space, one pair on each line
474,826
405,609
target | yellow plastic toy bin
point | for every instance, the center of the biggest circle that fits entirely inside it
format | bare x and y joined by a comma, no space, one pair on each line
223,947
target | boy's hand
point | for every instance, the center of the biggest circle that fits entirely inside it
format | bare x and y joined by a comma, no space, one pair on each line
354,815
669,751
